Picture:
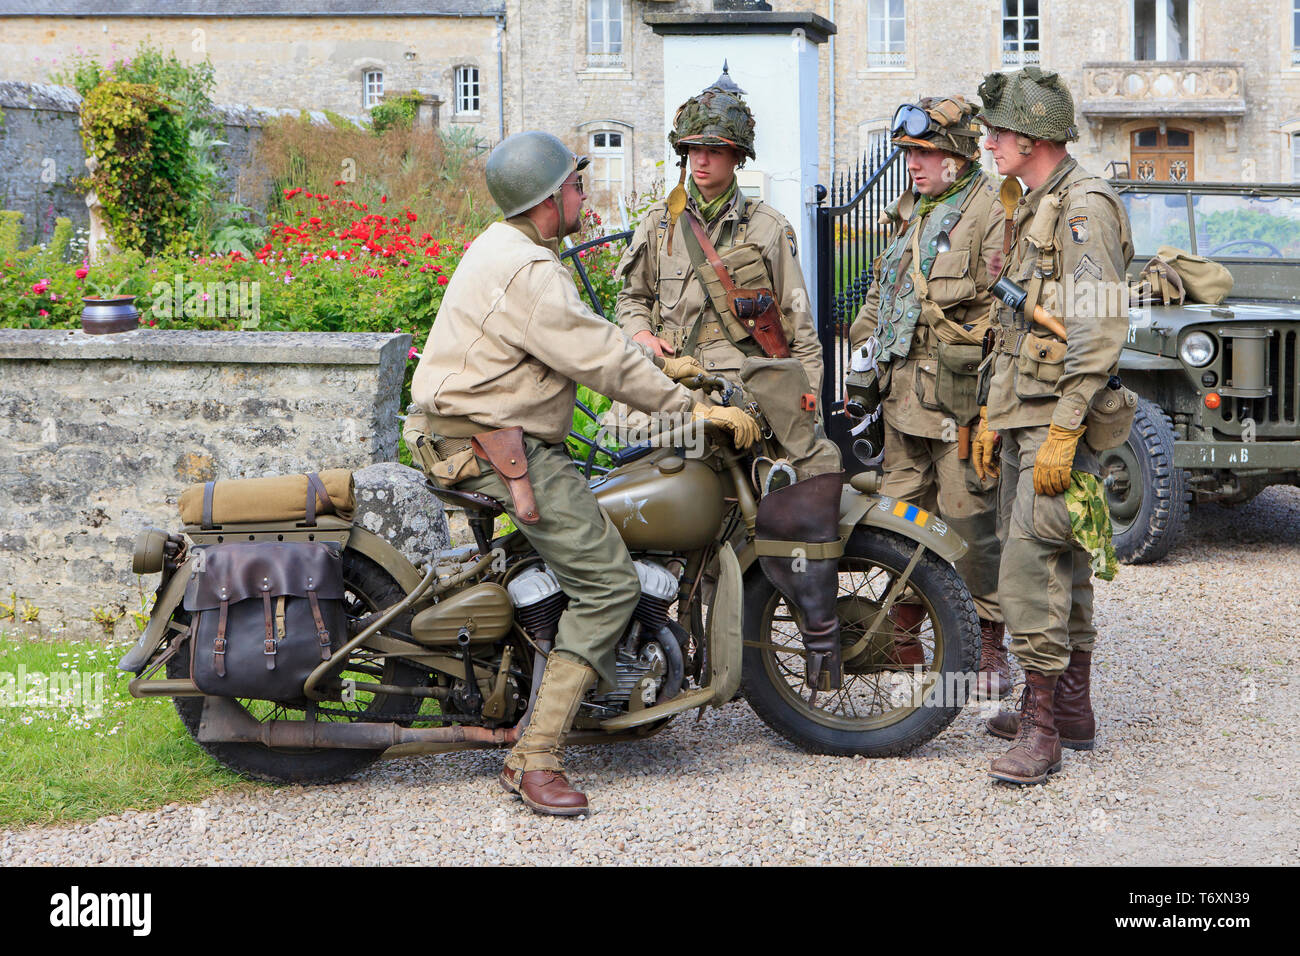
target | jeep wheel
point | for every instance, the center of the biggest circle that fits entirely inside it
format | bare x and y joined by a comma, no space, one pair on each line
1147,495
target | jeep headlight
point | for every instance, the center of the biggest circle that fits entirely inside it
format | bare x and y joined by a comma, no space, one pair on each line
1197,350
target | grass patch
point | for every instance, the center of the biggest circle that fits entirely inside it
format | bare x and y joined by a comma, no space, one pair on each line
76,746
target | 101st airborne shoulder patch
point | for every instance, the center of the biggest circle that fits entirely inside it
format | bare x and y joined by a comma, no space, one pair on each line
789,235
1079,229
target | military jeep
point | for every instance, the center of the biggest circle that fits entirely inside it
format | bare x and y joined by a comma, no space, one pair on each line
1219,411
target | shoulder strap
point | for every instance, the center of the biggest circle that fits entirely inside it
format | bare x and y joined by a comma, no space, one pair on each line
703,245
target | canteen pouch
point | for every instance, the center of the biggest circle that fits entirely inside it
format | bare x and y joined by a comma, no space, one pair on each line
1110,418
264,615
957,383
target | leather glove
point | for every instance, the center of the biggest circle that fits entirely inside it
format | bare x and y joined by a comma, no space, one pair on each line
680,367
744,430
984,448
1055,458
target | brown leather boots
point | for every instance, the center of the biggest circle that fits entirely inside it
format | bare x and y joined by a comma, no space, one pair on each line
1037,749
807,512
993,682
1072,708
533,770
907,651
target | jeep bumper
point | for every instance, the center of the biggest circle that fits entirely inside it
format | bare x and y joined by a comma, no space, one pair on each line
1233,456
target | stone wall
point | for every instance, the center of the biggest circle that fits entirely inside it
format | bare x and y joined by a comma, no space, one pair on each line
100,434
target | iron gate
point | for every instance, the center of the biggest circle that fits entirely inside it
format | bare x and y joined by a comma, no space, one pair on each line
849,238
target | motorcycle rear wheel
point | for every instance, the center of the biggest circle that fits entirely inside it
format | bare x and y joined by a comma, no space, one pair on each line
367,588
876,713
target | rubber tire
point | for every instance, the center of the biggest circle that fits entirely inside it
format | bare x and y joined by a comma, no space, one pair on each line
938,583
361,576
1165,507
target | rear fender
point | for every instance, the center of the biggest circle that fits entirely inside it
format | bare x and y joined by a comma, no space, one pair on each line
138,656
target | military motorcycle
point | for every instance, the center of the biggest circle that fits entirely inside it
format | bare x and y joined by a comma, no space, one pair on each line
449,657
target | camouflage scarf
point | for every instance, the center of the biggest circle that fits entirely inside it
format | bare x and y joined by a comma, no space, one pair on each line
929,202
709,210
1090,522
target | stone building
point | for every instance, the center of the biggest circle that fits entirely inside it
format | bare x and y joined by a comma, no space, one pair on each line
338,55
1167,88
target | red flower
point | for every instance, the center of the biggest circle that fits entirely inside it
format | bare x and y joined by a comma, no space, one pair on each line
425,237
82,272
413,353
290,193
410,215
383,199
43,312
41,286
442,280
340,182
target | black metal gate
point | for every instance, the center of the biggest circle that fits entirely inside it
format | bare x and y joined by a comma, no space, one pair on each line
849,237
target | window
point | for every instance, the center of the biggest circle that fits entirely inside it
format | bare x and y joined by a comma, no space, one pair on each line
1019,32
467,91
1295,32
372,88
608,162
1161,29
886,34
604,33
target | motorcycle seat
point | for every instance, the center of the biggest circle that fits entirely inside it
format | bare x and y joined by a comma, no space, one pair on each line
471,501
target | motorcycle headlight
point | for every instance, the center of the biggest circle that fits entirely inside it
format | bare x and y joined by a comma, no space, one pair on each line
1197,349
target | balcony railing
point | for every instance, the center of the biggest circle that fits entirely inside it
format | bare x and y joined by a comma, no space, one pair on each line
886,60
604,61
1177,88
1021,57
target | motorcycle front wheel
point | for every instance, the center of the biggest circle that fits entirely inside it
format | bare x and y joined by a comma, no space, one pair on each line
367,588
880,710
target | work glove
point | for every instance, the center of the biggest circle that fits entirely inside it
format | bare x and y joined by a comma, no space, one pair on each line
984,448
678,368
1055,459
744,430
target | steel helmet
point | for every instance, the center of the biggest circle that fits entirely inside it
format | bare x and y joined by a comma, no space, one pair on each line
716,117
527,168
1029,102
946,123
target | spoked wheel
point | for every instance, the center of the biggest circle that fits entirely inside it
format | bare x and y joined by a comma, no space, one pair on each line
367,588
880,711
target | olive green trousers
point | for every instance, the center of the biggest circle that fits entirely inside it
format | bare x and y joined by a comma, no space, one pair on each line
1045,578
926,472
582,548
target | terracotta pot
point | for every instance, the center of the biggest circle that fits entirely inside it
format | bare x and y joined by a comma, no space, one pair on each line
112,314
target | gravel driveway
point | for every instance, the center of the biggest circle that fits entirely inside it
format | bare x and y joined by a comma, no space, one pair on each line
1196,763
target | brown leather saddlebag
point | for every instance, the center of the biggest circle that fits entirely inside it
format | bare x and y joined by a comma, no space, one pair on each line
277,498
265,614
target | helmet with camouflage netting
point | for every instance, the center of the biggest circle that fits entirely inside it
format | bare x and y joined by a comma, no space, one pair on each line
949,123
528,168
1029,102
717,117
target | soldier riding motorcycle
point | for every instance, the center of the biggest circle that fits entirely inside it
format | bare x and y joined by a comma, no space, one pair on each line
300,647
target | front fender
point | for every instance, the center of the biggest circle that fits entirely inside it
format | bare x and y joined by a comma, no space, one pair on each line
889,514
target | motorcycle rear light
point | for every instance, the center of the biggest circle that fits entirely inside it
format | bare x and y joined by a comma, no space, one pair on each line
1212,400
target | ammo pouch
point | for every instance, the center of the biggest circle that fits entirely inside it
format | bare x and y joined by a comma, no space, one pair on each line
445,460
265,615
1110,417
957,381
1042,359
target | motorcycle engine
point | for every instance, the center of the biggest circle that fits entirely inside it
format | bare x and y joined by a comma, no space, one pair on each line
644,657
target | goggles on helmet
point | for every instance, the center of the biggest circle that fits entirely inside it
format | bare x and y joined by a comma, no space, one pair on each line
911,120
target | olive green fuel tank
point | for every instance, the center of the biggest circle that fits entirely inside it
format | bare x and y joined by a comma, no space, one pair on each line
663,503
